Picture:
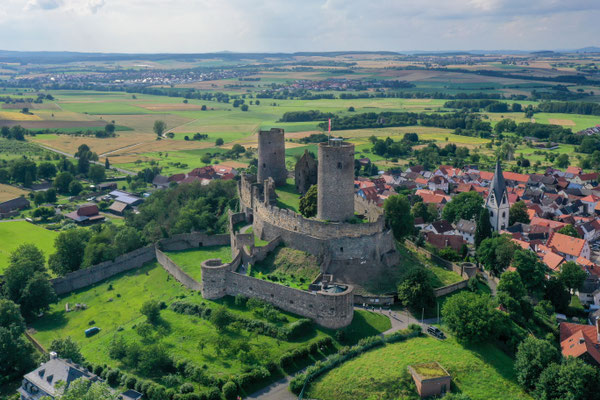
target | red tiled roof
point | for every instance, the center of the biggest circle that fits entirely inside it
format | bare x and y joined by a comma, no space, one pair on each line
547,223
177,178
442,241
513,176
88,210
591,199
573,170
421,181
521,243
485,175
553,260
566,244
592,176
576,340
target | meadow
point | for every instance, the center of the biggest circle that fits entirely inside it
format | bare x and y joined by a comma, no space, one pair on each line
114,306
15,233
481,372
191,259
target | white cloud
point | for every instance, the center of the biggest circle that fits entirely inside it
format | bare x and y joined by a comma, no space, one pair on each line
296,25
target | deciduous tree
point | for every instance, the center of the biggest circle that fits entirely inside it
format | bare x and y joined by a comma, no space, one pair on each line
398,216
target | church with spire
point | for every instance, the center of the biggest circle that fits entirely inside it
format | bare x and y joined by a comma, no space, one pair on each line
497,201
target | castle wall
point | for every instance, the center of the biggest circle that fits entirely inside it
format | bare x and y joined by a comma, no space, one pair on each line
186,241
177,273
271,156
89,276
331,310
335,198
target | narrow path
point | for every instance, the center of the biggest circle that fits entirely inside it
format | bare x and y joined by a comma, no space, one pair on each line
12,220
121,148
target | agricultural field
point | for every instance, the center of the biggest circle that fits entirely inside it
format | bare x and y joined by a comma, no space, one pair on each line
9,192
191,259
481,372
15,233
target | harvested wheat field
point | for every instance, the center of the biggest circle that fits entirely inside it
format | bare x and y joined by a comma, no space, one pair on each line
563,122
17,116
8,192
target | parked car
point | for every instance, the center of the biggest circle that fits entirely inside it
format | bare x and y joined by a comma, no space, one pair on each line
436,332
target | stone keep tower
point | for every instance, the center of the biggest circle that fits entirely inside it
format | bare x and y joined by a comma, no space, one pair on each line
335,181
497,201
271,156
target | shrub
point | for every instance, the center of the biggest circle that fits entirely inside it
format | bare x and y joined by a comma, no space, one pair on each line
186,388
113,377
229,390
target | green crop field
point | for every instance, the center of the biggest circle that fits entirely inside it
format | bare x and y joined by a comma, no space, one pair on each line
15,233
114,307
480,372
190,260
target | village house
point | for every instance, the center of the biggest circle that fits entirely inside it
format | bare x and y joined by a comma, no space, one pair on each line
581,341
569,247
441,226
467,230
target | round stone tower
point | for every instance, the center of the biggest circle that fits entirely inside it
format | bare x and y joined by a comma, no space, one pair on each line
335,181
271,156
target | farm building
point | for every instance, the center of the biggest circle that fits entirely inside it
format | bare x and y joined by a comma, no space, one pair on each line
10,207
431,379
118,208
86,214
125,197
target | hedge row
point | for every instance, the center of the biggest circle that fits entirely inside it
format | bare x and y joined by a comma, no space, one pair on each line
218,387
289,332
301,381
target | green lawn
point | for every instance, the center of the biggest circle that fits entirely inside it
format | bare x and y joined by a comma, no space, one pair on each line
444,277
113,306
15,233
288,197
288,267
482,373
190,260
365,324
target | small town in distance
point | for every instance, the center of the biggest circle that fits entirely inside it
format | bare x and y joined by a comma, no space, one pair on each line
315,214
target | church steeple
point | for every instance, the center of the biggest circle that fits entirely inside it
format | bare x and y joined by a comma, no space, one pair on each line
498,186
497,201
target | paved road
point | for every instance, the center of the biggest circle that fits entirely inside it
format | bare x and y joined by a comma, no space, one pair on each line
275,391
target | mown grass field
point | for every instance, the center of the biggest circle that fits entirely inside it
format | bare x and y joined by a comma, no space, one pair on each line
480,372
190,260
288,197
113,306
15,233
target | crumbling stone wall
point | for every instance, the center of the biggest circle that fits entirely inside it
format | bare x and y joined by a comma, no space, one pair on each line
305,172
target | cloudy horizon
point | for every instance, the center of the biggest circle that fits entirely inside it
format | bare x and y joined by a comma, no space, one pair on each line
187,26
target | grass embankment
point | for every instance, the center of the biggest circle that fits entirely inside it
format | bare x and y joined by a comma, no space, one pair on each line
289,267
113,306
15,233
190,260
480,372
388,282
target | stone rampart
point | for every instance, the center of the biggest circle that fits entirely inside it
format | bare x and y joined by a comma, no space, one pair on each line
190,240
291,221
450,288
89,276
175,271
331,310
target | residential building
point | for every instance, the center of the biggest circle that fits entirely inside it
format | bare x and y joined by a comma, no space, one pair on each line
86,214
581,341
11,207
569,247
467,230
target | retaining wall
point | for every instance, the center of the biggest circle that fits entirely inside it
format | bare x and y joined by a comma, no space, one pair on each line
450,288
175,271
186,241
89,276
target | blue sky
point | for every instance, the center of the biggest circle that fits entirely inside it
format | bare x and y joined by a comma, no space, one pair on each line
296,25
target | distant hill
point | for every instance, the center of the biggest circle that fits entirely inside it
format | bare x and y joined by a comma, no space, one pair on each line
590,49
